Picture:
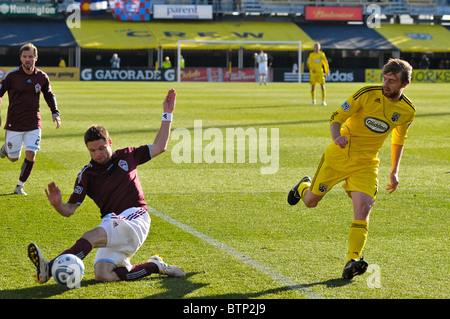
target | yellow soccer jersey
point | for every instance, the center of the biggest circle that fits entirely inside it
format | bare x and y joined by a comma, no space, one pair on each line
369,117
318,61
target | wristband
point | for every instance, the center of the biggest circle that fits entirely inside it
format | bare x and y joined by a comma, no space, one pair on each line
166,117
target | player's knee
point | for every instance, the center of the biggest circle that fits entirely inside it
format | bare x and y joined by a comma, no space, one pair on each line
96,237
310,204
362,205
105,274
105,277
362,212
310,199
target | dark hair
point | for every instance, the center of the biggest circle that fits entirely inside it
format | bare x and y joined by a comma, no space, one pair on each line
95,133
28,47
397,65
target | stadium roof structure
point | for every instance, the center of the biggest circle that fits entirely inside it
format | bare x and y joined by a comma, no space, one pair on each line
117,35
417,38
348,37
108,34
48,33
111,34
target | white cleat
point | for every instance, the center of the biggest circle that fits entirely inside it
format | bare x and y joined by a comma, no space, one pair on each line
165,269
42,269
19,190
324,103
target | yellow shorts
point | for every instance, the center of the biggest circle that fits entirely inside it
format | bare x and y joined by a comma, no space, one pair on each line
336,166
316,78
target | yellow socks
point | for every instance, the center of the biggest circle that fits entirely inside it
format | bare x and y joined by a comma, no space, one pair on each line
357,239
324,95
313,95
303,187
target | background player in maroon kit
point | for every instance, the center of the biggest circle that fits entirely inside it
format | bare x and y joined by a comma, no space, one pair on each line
111,180
23,124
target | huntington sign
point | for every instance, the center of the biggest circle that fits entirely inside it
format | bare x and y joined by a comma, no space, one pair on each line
29,9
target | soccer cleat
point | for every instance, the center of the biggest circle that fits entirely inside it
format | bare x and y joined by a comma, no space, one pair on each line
42,268
313,102
324,103
293,196
19,190
354,268
165,269
3,151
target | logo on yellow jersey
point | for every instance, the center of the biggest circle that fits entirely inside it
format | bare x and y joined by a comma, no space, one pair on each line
345,106
376,125
395,117
323,188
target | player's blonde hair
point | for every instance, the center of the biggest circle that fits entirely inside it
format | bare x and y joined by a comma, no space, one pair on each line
28,47
397,65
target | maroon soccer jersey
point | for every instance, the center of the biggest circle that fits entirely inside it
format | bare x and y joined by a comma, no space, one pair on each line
113,186
23,92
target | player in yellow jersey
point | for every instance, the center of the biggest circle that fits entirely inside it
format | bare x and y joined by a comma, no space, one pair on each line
358,129
318,71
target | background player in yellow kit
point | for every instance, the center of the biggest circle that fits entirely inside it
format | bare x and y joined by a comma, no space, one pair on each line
369,116
318,71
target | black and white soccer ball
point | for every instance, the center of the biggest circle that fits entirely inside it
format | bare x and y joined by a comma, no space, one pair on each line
68,270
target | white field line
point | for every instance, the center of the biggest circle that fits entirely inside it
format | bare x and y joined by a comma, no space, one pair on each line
240,256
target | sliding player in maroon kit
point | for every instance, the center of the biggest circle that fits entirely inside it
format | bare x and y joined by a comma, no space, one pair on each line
111,180
23,124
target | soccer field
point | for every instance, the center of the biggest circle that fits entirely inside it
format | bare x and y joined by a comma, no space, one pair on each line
221,213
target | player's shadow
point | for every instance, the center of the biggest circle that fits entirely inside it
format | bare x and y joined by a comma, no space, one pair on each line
7,194
175,288
181,287
330,283
38,292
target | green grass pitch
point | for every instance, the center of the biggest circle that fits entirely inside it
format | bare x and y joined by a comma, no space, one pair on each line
226,224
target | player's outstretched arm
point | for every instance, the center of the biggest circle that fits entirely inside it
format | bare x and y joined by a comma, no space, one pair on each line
170,101
54,196
162,138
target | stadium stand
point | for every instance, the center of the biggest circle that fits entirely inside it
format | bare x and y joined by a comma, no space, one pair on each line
271,7
342,45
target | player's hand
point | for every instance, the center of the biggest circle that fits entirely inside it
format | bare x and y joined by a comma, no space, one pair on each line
341,141
57,119
394,183
54,195
169,101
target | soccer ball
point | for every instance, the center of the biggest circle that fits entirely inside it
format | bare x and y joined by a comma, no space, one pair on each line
68,270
